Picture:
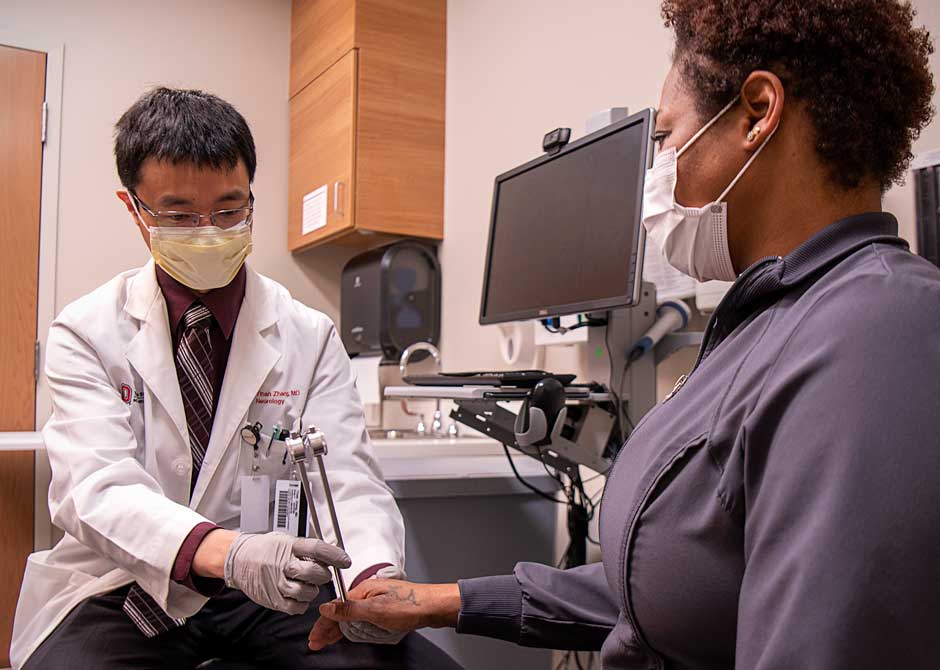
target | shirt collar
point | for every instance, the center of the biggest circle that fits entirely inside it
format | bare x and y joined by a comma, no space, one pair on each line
224,302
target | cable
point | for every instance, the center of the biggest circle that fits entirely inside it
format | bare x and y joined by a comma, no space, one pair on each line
597,476
407,410
553,325
581,507
618,403
626,414
529,486
623,415
555,475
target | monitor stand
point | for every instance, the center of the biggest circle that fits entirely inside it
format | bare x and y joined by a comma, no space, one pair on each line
636,384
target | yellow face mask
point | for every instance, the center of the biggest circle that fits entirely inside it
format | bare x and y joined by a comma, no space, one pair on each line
201,258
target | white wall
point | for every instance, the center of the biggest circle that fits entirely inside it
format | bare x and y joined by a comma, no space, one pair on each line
515,70
114,51
518,69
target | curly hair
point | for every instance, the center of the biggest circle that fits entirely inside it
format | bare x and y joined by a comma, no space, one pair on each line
860,67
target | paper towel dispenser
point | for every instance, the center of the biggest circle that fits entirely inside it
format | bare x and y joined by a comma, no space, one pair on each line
390,298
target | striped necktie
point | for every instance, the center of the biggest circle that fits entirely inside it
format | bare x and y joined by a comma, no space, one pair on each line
194,370
195,373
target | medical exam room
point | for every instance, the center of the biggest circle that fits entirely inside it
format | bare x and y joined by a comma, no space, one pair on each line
481,334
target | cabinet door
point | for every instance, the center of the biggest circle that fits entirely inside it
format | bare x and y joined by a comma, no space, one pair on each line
322,156
322,32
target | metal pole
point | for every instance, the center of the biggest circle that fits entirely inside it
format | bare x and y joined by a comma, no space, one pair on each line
329,502
298,455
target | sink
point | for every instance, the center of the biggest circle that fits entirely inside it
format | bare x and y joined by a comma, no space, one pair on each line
399,434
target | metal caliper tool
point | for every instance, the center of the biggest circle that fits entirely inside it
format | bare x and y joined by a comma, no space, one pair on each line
301,447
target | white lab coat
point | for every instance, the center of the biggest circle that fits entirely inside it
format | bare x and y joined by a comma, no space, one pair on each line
121,470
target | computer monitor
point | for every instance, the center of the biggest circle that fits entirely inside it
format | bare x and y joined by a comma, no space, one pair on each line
566,232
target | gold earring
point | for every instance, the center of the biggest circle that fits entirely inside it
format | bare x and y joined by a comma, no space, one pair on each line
751,136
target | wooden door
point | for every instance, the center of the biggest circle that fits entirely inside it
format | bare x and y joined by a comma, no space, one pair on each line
22,91
322,156
322,32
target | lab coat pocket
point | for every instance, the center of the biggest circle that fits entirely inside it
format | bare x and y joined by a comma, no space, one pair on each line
49,584
55,578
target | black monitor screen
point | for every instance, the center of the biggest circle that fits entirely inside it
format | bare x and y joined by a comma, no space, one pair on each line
565,232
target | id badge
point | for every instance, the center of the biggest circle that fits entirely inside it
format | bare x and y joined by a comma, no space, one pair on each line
255,517
290,508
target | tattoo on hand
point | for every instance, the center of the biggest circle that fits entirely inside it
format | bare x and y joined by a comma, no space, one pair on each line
410,598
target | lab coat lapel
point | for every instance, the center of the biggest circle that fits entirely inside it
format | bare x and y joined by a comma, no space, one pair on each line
250,360
150,350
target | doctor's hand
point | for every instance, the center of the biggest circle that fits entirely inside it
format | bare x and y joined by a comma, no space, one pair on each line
279,571
390,606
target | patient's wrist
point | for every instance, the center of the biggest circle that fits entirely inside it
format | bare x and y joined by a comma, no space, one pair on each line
444,601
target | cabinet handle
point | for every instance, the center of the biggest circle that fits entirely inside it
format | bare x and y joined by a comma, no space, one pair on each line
338,187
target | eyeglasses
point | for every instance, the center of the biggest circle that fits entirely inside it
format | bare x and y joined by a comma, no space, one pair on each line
223,218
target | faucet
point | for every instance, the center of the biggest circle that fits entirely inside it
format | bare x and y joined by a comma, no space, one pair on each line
411,349
437,425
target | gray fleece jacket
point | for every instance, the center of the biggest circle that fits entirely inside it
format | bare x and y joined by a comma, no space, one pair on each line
781,510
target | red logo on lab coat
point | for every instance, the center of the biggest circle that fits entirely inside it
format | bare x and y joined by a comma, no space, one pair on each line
126,394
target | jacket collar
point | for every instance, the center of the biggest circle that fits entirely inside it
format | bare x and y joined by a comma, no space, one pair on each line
812,258
151,347
836,241
766,280
142,290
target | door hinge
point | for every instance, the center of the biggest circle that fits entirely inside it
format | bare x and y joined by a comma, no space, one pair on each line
45,121
36,355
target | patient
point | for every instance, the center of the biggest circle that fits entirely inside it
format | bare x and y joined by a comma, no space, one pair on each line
779,510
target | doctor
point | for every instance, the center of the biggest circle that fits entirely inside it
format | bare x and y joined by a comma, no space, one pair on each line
153,377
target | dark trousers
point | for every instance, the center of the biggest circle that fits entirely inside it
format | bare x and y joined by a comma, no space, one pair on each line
98,634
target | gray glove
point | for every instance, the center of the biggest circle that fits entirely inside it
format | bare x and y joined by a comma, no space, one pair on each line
368,633
279,571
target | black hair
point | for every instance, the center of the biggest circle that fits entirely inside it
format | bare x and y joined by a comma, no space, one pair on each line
860,66
181,126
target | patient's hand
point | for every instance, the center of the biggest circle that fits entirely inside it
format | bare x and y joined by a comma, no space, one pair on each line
390,604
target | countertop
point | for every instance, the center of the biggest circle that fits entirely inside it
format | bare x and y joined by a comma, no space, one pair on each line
415,466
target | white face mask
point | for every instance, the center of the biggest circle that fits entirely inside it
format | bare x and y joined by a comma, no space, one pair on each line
694,240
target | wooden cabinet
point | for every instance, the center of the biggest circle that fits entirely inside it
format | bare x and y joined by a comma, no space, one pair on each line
367,121
321,33
322,153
